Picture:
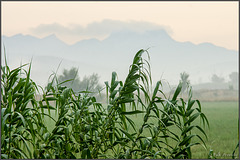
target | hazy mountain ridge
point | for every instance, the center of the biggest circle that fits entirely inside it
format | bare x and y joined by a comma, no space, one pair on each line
115,53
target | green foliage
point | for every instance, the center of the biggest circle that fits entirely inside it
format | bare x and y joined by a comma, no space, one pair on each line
84,128
21,125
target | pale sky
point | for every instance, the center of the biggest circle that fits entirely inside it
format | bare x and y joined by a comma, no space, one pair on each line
197,22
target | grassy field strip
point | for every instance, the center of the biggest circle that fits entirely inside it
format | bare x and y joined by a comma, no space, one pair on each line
223,134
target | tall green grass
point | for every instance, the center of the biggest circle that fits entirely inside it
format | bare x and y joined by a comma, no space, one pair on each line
84,128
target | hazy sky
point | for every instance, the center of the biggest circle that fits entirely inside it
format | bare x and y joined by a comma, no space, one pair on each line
214,22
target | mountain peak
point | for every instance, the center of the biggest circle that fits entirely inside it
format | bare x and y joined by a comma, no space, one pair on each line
51,36
17,35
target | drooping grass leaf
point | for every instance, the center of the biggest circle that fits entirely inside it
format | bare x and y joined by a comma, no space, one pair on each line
186,140
132,112
178,90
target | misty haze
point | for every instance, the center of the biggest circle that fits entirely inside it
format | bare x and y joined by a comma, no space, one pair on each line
119,80
168,57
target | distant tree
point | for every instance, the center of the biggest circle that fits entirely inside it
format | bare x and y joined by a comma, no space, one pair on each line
90,83
71,75
185,81
234,77
217,79
230,87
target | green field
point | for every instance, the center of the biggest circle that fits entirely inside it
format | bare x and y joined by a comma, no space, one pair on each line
223,132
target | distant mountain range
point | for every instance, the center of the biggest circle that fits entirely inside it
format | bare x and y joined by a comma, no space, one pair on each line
115,53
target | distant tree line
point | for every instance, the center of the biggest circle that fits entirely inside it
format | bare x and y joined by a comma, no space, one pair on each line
232,83
70,78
